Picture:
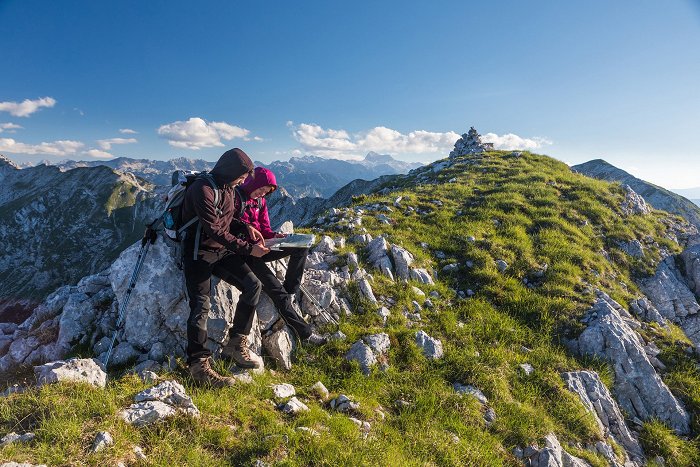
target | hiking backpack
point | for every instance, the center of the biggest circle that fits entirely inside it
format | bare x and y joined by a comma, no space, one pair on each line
172,213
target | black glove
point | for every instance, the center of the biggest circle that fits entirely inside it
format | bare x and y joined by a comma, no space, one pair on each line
150,234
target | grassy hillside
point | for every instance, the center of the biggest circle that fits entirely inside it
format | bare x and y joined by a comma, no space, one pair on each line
529,211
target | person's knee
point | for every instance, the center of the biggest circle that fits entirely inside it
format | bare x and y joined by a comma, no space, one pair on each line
251,289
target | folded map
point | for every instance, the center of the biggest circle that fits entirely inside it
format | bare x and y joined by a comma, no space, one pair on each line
291,241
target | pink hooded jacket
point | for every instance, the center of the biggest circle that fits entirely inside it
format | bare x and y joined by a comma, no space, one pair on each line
255,211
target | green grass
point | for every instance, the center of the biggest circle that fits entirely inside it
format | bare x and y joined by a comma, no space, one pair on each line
529,211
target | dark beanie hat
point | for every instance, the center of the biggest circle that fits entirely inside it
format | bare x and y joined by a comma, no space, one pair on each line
231,165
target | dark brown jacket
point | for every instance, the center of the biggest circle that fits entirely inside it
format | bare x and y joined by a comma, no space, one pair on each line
199,201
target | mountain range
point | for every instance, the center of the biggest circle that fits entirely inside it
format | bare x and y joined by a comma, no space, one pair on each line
307,176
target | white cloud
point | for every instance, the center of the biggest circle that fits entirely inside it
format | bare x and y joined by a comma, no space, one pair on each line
510,141
96,153
9,127
339,143
106,144
196,133
127,131
55,148
27,106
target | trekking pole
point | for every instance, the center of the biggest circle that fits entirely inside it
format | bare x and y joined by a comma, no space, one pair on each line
147,240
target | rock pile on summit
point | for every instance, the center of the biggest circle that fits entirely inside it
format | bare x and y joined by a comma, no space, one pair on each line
470,143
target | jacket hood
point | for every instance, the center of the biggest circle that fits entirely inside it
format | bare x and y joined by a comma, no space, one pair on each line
231,165
262,177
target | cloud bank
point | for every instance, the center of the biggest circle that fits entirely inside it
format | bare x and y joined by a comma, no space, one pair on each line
9,127
27,106
341,144
106,144
54,148
512,142
196,133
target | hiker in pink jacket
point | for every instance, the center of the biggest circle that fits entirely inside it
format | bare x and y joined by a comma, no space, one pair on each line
253,192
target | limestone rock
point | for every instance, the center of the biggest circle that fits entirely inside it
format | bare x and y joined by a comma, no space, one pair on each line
325,246
598,400
553,455
431,347
102,441
158,403
421,275
377,255
293,406
471,391
16,438
320,390
343,403
280,346
379,343
638,388
146,413
670,294
402,261
86,370
362,354
283,391
634,203
172,393
366,290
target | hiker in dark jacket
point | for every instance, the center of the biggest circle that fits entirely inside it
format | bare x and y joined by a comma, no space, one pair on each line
253,193
223,254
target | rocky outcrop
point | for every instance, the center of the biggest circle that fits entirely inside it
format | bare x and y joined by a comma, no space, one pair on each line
658,197
674,288
598,400
154,326
639,389
634,203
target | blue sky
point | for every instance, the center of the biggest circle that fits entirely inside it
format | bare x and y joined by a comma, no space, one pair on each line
574,80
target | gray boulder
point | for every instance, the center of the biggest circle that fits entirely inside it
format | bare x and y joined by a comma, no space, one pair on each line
598,400
102,441
377,255
86,370
431,347
158,403
553,455
638,388
362,354
16,438
634,203
402,262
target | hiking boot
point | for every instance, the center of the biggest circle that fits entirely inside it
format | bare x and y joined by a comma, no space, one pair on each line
237,350
202,373
316,339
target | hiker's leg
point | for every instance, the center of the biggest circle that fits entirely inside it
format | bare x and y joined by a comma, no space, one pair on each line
279,295
236,272
295,267
198,282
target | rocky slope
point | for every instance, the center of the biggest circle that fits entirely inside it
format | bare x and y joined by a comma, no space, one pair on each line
658,197
60,226
495,309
